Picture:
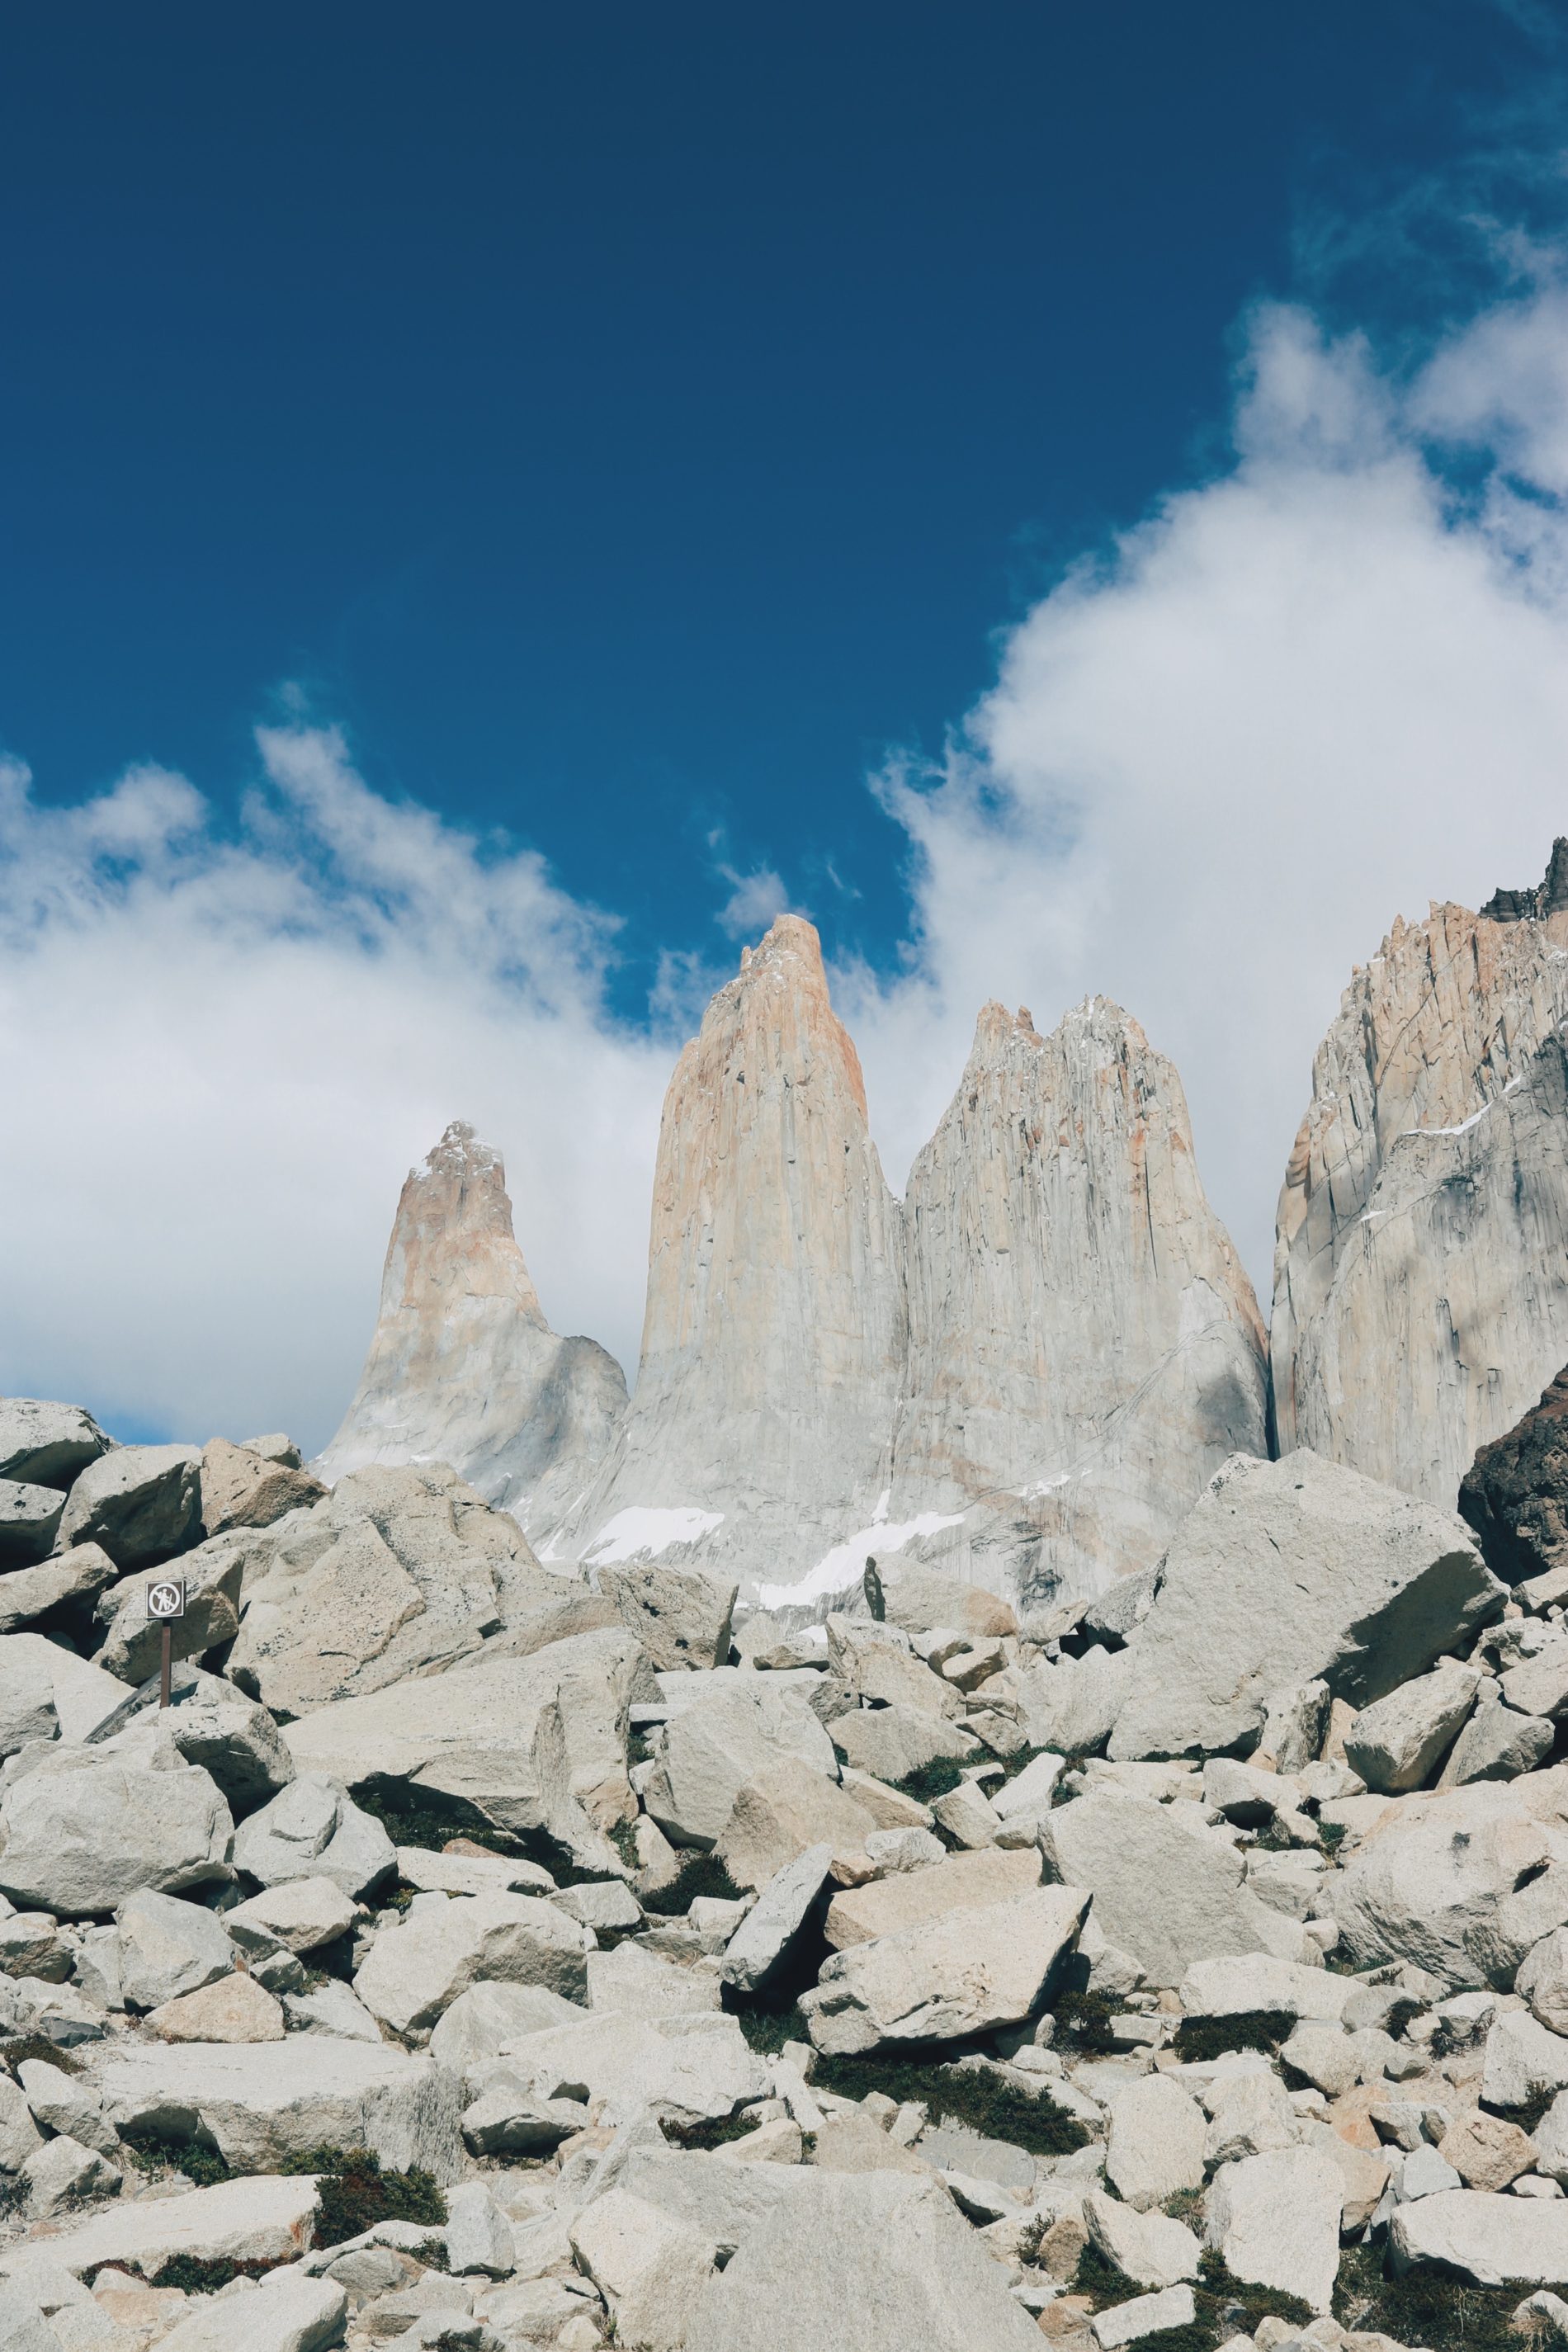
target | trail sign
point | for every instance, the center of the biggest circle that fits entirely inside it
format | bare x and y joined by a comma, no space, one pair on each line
166,1597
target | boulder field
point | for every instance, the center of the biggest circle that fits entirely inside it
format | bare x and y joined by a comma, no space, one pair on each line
484,1953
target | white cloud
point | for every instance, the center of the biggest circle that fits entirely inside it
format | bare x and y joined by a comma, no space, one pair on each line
1300,697
755,899
220,1058
1299,700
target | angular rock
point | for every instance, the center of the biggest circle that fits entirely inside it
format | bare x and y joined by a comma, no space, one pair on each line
482,2022
1287,1571
1155,2145
1515,1492
1496,1744
1420,1299
963,1881
763,1938
463,1367
1249,2114
509,2119
1542,1980
416,1971
606,1905
243,1489
965,1817
1524,2061
19,2136
28,1518
1462,1882
236,2009
142,1503
890,1742
1274,2221
1073,1705
687,2067
650,2268
533,1743
1148,2248
1491,2240
1059,1197
775,1334
62,2103
262,2103
1145,2314
880,2260
638,1983
46,1445
254,2220
332,2009
681,1618
786,1810
965,1972
168,1948
478,2236
83,1830
710,1751
1167,1888
878,1668
76,1576
1397,1743
471,1873
132,1647
279,2314
312,1829
1486,2152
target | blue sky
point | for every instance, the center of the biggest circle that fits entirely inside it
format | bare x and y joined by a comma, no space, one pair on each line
495,504
629,422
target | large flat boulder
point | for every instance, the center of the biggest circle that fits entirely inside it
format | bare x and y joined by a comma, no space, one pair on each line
687,2067
681,1616
1167,1889
312,1829
1398,1742
261,2102
960,1973
399,1571
878,2260
242,1488
1462,1882
83,1830
78,1576
446,1943
964,1882
1274,2221
1285,1572
709,1751
46,1445
252,2220
142,1503
891,1742
28,1518
788,1809
1491,2238
535,1743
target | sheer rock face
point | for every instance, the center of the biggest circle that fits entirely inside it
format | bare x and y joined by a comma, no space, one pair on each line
773,1340
1085,1347
1421,1266
463,1367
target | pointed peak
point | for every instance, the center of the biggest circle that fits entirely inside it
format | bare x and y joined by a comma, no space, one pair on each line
1549,896
788,938
460,1153
996,1029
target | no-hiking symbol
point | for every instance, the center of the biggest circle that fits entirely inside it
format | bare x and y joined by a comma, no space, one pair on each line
166,1598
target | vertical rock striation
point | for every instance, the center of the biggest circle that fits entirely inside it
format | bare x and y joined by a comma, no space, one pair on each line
463,1367
774,1339
1085,1347
1421,1266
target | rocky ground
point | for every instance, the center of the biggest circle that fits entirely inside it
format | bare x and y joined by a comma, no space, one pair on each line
483,1956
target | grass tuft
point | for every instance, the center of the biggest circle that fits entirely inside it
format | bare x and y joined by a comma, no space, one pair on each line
355,2193
709,2132
1223,2305
702,1874
1200,2038
203,2275
1428,2306
973,2095
152,2152
14,2055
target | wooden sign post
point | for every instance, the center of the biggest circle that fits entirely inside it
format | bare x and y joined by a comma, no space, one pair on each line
165,1602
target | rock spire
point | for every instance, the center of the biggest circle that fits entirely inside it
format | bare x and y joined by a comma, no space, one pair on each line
463,1367
1085,1347
773,1340
1421,1266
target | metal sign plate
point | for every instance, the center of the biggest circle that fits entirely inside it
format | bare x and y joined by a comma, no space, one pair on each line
166,1597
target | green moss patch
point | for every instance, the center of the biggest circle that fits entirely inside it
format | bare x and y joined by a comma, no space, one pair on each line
1223,2305
1429,2306
701,1873
709,2132
1201,2038
151,2151
959,2095
14,2055
929,1781
355,2193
